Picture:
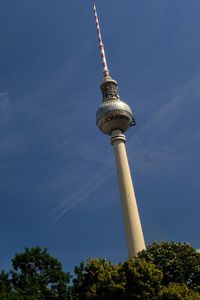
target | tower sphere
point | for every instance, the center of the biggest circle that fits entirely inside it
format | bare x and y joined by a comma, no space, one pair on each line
113,113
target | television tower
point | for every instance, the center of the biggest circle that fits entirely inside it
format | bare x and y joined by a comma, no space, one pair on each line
114,117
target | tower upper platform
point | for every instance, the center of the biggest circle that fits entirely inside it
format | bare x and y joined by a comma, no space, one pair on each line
113,113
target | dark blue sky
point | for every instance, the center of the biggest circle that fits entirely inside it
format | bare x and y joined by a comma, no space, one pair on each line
58,186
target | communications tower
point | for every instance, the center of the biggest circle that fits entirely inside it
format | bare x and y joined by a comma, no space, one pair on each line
114,117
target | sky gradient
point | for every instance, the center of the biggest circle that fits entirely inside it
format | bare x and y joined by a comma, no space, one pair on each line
58,185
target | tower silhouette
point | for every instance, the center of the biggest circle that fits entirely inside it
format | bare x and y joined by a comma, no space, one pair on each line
114,117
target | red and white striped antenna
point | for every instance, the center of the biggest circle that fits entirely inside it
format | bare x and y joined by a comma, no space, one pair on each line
101,45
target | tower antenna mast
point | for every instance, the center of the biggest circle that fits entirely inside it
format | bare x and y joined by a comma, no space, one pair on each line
101,45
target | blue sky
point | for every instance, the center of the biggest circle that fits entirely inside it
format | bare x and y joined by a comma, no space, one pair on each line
58,186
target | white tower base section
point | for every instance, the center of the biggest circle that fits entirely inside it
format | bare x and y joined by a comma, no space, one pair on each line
133,229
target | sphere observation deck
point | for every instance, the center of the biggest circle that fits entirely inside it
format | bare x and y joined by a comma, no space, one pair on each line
113,113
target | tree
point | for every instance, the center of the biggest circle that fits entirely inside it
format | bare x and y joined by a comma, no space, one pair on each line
37,275
5,286
179,262
97,279
165,271
142,280
175,291
133,279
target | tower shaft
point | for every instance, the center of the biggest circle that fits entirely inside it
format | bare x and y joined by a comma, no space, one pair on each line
133,228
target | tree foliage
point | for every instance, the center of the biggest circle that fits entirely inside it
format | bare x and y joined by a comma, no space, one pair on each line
133,279
5,286
97,279
179,262
175,291
142,279
165,271
35,276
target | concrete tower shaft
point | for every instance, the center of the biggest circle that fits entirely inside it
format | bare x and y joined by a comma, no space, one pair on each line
133,228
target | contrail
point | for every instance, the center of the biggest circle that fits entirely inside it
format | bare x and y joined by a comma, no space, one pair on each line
81,195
